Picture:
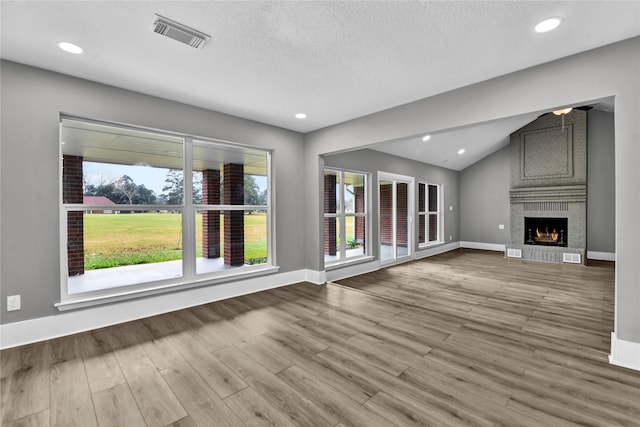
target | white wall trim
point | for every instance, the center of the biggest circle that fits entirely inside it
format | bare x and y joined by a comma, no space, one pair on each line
624,353
483,246
315,277
71,322
601,256
352,270
367,267
435,250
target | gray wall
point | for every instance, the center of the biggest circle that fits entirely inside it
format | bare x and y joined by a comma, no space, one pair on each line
609,71
373,161
601,182
32,100
484,191
484,199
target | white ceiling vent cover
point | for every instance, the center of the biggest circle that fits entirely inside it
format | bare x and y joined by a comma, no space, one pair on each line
179,32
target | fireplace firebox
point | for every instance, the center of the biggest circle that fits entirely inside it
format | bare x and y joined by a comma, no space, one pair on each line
545,231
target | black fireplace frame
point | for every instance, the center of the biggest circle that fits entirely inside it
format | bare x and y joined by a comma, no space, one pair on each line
548,228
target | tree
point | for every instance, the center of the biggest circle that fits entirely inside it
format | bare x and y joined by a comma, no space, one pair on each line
126,188
145,196
197,187
121,190
252,193
174,188
92,182
108,190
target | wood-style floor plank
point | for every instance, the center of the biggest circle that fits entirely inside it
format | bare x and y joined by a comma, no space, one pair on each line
463,338
255,411
40,419
332,401
155,399
183,422
24,390
101,365
155,344
294,405
219,377
204,406
116,407
71,403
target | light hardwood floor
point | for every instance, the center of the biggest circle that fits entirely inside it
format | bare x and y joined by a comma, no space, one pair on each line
463,338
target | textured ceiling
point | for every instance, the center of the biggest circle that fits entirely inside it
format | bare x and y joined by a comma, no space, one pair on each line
334,61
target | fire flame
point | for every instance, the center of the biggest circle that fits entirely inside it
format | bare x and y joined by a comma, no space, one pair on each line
546,236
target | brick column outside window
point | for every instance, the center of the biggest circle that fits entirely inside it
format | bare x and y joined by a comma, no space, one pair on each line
330,241
402,214
72,193
211,219
233,220
360,226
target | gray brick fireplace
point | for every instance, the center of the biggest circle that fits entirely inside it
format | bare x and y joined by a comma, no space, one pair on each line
549,187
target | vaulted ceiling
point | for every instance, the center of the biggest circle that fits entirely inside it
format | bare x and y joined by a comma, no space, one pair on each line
333,60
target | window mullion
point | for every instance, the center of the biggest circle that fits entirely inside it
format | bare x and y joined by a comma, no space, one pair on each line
342,216
394,218
188,213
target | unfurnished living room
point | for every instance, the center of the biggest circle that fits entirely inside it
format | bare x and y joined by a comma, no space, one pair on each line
322,213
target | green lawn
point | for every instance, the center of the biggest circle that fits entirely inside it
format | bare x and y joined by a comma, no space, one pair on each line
141,238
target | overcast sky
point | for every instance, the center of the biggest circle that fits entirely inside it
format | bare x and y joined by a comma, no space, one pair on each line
151,177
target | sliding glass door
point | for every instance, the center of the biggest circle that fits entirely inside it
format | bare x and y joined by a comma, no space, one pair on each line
395,207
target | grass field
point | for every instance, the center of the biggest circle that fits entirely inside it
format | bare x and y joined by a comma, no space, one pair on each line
142,238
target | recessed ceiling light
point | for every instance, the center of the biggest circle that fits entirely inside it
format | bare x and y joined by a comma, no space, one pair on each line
461,151
70,47
548,25
301,116
426,138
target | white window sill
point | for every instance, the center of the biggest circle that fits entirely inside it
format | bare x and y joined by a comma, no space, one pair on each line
348,262
430,244
107,296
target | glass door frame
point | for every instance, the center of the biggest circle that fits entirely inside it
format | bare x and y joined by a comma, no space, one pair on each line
395,179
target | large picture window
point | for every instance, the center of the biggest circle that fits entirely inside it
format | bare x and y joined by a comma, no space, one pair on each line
429,218
345,216
133,222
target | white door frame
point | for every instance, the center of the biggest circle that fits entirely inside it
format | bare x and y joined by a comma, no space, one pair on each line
395,179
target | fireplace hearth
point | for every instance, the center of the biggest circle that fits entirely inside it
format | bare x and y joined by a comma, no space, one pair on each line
545,231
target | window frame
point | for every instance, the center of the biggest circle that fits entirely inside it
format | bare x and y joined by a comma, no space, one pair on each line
342,216
427,212
187,209
396,179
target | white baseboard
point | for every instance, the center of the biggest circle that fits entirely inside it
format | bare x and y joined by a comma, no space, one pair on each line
484,246
367,267
624,353
601,256
352,270
435,250
71,322
315,277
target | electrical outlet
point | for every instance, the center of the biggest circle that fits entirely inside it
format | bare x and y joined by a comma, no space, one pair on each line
500,226
450,237
13,303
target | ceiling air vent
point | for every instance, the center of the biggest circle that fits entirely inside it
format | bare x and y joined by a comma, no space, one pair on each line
179,32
